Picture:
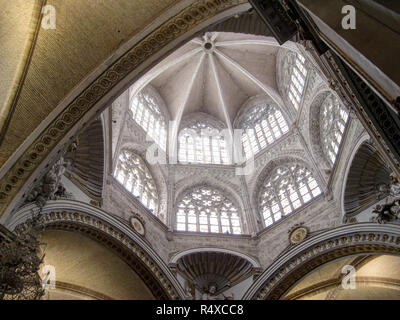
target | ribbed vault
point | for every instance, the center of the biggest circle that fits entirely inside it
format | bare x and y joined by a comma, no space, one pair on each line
88,160
367,172
215,73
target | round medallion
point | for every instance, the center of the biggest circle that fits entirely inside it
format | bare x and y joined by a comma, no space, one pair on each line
298,235
138,226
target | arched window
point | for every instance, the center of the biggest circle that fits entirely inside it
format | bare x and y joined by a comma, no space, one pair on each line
146,113
288,188
297,80
132,172
201,143
333,119
205,209
262,125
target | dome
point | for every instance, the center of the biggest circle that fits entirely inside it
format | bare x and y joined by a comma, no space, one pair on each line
204,120
219,79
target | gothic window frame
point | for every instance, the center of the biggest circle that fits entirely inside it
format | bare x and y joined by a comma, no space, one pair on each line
145,189
201,141
332,130
279,203
190,215
292,75
259,133
298,78
147,109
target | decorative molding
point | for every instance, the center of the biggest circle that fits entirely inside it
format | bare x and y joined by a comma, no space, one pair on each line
180,254
69,287
138,224
298,233
114,233
355,239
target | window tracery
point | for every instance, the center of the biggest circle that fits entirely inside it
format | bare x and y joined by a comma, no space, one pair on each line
288,188
205,209
333,119
202,143
297,80
146,113
132,172
262,125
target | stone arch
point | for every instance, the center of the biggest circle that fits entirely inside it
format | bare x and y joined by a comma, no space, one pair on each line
285,60
180,254
111,232
349,240
187,184
275,155
157,173
192,118
314,125
150,90
220,183
258,99
267,171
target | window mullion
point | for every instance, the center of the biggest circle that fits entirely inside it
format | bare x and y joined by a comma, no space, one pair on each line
277,124
290,201
271,130
279,202
297,188
218,212
187,218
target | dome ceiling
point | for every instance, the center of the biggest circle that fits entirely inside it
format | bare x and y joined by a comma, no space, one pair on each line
215,74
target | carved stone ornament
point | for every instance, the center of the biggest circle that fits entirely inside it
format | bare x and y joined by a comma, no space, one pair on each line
389,212
297,234
50,186
138,224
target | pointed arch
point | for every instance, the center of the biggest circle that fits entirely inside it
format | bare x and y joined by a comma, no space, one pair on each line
148,110
262,122
205,208
328,121
292,74
203,140
132,172
284,186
